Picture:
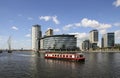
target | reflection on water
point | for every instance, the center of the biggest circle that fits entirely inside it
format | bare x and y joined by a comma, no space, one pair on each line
66,64
33,65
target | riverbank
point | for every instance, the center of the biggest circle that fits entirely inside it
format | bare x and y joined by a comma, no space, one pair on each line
84,51
67,51
102,51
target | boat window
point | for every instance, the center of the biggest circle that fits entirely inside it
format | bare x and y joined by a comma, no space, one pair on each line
81,55
70,55
60,55
63,55
66,55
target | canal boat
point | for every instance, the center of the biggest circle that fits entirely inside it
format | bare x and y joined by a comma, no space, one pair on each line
65,56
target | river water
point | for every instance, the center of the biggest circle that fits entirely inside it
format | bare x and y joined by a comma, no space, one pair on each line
32,65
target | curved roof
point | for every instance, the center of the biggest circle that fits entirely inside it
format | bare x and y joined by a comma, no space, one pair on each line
64,35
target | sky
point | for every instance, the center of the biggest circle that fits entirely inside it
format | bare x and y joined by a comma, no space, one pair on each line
76,17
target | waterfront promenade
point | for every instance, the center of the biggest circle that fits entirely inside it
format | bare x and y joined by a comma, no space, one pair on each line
43,51
83,51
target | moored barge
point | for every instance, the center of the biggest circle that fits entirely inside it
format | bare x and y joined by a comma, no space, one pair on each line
65,56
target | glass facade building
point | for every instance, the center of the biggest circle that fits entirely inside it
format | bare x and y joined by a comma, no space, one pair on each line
108,40
85,45
59,42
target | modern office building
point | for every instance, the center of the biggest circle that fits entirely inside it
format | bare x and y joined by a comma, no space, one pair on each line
36,35
108,40
49,32
93,37
86,45
102,42
59,42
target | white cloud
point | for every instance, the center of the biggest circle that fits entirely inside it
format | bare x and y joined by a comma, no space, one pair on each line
94,24
46,18
77,24
50,18
117,34
89,23
14,28
80,35
28,35
55,20
85,22
116,3
116,24
57,30
104,26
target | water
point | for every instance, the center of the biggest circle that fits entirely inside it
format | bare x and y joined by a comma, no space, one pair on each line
31,65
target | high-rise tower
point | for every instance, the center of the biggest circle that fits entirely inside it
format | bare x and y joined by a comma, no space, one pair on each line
93,39
94,36
36,35
108,40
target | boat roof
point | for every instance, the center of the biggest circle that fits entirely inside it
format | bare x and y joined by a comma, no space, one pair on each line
64,52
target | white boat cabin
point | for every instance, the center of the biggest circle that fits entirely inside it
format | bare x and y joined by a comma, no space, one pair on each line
60,55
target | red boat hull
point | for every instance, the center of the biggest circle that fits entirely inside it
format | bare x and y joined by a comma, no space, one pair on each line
72,57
